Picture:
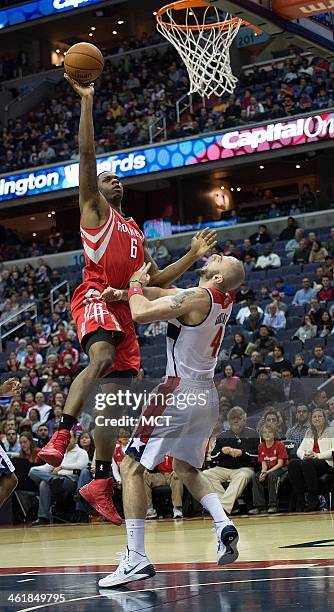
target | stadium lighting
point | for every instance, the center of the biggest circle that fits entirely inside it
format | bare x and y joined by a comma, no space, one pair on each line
222,187
57,50
114,32
261,167
49,215
238,188
53,212
298,166
90,34
34,234
154,13
93,28
32,218
120,22
232,188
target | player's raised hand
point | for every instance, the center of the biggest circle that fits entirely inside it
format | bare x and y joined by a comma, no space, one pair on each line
141,276
10,387
203,242
111,295
82,90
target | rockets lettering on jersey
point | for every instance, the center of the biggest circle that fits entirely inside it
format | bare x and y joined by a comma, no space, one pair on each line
113,251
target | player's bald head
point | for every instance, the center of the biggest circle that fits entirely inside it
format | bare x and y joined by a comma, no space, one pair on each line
233,273
222,272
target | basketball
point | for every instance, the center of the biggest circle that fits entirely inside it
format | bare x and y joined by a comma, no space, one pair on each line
83,62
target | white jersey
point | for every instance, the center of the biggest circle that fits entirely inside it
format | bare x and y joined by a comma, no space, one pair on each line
192,350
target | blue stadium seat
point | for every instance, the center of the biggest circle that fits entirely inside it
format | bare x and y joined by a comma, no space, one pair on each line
296,311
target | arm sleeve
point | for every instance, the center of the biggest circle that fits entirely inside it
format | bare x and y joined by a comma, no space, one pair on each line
115,471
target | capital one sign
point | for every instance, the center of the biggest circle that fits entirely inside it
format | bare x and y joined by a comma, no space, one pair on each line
299,130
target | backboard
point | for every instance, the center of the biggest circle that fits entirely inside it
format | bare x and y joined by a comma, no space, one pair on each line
308,34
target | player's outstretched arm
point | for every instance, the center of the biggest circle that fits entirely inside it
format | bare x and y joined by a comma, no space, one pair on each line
164,308
93,206
169,307
200,245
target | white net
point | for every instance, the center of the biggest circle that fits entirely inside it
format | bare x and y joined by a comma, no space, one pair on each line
204,50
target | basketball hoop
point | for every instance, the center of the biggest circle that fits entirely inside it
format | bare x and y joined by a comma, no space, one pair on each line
202,36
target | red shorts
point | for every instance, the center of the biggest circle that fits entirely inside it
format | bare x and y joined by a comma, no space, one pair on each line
90,313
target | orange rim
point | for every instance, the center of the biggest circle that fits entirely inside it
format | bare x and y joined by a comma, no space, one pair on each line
190,4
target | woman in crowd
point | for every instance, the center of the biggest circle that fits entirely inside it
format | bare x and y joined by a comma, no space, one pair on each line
34,379
28,449
315,458
230,386
239,346
86,442
300,369
325,326
53,424
306,331
318,253
35,419
54,348
13,364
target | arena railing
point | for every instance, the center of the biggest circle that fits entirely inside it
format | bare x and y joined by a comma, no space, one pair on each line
156,128
30,308
54,298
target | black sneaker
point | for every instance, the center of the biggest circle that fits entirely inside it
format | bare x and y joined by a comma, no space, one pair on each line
227,551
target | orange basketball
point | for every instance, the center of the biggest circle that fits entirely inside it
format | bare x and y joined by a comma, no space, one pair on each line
83,62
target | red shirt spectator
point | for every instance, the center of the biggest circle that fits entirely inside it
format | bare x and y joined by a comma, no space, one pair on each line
326,293
32,360
69,350
272,454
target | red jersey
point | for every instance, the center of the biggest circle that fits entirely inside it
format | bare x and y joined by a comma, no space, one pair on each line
118,454
113,251
272,454
166,466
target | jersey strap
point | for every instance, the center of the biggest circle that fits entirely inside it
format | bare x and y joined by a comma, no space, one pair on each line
224,299
95,244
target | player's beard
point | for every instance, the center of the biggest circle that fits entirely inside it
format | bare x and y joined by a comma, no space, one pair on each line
205,273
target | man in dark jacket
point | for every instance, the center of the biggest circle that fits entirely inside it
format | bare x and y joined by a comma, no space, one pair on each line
235,455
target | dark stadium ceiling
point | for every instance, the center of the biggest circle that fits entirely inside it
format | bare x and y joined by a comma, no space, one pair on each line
70,28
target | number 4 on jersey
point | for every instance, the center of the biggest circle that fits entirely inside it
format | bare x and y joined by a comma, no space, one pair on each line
215,344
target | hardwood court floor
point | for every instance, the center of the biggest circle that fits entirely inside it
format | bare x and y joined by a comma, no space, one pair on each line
286,562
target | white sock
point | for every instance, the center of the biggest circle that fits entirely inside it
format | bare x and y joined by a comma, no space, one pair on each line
212,504
135,529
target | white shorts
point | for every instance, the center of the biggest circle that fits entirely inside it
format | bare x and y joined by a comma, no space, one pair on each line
6,466
178,422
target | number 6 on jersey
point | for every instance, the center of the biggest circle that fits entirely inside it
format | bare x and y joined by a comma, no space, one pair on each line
134,248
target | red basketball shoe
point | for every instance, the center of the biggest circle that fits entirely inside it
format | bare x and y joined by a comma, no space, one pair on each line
98,493
54,451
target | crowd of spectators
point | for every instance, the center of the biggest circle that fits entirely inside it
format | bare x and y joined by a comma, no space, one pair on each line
141,89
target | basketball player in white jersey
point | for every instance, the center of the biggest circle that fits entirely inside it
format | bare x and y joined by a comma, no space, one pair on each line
8,480
196,325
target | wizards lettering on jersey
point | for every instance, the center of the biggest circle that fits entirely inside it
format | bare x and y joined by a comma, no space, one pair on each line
222,319
122,227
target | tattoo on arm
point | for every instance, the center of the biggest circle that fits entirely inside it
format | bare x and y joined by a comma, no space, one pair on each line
178,299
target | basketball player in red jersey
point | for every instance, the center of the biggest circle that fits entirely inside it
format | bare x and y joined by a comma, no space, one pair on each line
113,249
